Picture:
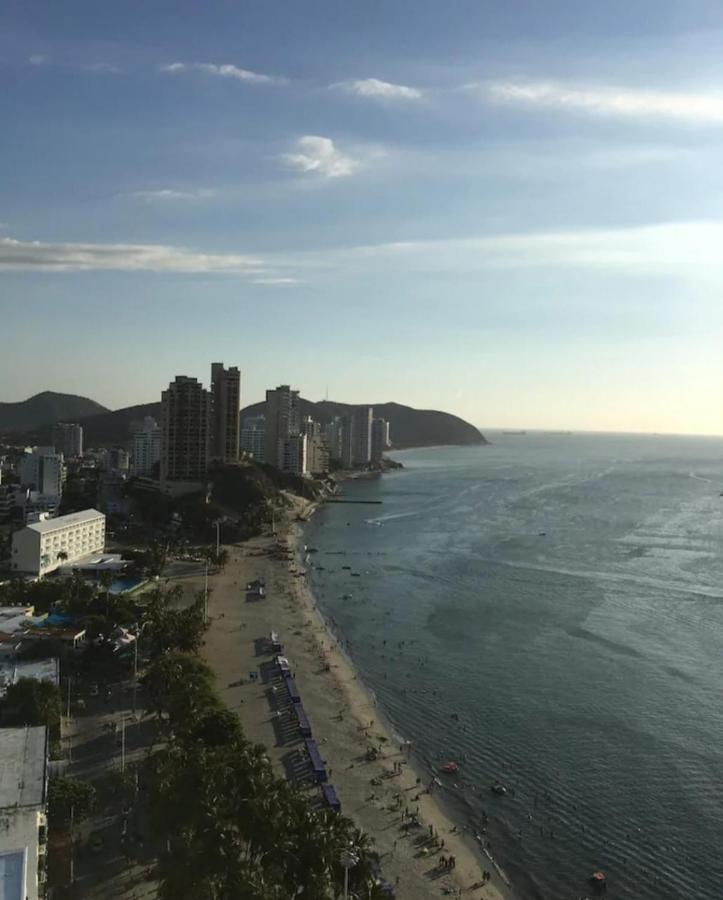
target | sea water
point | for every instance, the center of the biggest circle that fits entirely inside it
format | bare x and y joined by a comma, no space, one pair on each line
548,611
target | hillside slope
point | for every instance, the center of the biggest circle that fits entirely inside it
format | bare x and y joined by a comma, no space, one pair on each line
408,427
46,409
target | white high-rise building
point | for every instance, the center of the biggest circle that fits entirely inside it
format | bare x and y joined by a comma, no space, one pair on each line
68,439
43,470
317,448
380,439
23,799
253,437
146,447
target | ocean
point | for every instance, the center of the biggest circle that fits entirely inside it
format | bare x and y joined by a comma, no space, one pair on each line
548,611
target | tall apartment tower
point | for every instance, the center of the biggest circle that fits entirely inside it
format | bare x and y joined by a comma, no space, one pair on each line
43,470
362,435
380,439
226,391
185,430
68,439
146,447
282,422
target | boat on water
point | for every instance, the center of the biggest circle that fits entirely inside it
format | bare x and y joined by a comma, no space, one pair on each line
346,596
449,768
346,567
355,575
598,880
498,788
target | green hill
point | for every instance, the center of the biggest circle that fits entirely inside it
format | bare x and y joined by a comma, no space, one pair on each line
46,409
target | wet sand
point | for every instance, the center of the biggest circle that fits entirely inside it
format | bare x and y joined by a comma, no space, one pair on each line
343,717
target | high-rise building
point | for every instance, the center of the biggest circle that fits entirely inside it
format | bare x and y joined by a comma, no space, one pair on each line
282,422
146,447
253,437
226,396
185,430
317,448
380,439
43,470
293,454
117,460
68,439
334,438
362,435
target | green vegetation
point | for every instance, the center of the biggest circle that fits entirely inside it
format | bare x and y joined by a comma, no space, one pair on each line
69,795
32,702
233,828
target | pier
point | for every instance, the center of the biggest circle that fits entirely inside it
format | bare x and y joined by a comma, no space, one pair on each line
370,502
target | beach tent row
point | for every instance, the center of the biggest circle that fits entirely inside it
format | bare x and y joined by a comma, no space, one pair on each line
312,751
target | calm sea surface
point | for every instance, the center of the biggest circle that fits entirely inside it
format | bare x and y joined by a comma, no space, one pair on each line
563,596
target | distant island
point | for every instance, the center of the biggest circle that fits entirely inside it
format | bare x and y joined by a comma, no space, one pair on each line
32,420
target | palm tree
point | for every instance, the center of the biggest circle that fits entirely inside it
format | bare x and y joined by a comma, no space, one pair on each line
105,580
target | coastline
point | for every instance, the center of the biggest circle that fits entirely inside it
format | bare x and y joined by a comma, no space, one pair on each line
343,715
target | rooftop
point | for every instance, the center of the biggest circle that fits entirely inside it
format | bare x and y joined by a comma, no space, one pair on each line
23,760
39,669
87,515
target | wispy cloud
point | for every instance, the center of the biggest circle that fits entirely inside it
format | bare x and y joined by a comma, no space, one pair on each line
277,282
379,90
38,59
606,101
169,194
60,257
320,156
223,71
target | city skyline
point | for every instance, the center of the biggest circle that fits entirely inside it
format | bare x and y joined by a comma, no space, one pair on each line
511,214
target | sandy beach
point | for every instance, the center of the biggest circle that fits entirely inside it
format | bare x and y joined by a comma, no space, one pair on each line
343,717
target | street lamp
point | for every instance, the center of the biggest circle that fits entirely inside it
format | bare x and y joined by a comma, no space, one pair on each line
349,859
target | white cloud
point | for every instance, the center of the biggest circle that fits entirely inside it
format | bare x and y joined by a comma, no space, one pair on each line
606,101
274,282
38,59
29,255
320,155
223,71
382,90
168,194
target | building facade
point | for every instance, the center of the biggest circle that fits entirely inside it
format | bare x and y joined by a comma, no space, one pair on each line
23,812
317,448
43,470
43,547
68,439
226,402
380,439
185,430
362,418
146,447
253,437
282,422
292,455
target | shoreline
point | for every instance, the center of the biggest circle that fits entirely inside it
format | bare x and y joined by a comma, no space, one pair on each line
344,717
444,804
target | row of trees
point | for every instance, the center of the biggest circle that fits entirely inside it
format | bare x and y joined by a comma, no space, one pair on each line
234,828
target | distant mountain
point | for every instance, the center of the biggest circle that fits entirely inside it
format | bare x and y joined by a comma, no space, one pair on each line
46,409
408,427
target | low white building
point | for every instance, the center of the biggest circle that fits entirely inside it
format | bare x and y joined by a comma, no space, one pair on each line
23,818
45,546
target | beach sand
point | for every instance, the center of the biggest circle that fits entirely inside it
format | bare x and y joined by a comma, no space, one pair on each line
343,717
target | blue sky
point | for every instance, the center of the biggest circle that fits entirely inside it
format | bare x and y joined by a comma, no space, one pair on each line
512,211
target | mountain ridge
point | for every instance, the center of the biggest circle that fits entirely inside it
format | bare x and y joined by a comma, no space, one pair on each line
409,427
46,408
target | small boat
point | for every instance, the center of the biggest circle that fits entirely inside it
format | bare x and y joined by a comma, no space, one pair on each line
498,788
346,596
598,879
455,716
449,768
346,567
355,575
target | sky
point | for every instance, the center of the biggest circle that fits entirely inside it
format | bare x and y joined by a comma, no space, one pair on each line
510,211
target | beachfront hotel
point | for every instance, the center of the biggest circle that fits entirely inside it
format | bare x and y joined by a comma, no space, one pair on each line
282,423
45,546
